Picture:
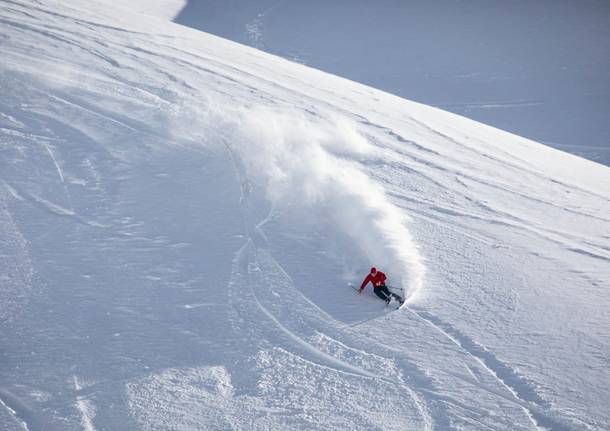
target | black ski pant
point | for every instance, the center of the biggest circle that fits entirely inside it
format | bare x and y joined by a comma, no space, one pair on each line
383,292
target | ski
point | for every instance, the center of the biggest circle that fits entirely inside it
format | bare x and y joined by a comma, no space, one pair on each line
392,300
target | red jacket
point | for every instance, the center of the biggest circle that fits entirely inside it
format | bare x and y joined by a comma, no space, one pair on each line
378,280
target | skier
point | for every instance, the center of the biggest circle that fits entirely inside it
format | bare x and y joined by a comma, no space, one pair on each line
378,278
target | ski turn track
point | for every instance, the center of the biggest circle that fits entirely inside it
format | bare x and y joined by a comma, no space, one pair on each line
127,146
261,291
522,392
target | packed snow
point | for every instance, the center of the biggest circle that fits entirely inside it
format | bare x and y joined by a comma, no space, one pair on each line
182,217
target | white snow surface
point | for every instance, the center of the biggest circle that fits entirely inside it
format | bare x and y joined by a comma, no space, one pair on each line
181,217
160,9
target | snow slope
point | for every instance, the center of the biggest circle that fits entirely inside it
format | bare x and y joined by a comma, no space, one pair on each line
160,9
181,216
538,69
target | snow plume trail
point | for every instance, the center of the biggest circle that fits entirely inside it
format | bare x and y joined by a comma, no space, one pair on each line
311,164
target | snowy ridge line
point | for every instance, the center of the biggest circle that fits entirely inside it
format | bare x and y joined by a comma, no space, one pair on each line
523,393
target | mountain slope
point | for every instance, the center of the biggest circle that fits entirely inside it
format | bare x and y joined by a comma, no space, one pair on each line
182,215
519,66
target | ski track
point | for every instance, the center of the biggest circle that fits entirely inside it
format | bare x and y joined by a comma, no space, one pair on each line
13,414
493,216
94,112
522,392
61,176
254,264
21,412
311,349
496,216
246,261
85,407
418,161
505,377
57,209
241,73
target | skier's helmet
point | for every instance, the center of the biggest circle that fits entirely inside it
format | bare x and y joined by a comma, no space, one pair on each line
373,270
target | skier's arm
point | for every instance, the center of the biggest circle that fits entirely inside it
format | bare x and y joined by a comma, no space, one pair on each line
365,282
